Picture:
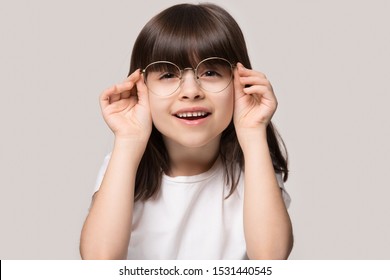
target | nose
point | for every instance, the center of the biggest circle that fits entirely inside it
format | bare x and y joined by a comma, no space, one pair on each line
189,88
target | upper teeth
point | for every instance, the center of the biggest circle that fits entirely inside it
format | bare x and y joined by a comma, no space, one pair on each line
191,114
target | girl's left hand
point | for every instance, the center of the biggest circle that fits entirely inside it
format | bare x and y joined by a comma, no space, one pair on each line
255,101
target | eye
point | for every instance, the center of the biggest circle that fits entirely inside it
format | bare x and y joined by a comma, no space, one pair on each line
167,76
211,73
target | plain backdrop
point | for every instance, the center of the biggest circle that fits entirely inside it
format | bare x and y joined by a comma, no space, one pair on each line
327,60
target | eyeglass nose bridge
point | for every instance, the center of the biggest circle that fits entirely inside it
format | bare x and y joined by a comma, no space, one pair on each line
195,70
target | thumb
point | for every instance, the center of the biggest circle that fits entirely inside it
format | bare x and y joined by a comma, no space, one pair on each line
238,86
142,91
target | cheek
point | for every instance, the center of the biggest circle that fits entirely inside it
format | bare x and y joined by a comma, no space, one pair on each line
226,104
158,110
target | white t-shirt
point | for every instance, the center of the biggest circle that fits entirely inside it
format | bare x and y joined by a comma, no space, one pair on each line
190,218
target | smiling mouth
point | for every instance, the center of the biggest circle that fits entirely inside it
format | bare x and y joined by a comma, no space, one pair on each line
192,115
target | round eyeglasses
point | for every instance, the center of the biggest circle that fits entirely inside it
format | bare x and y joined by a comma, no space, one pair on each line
212,74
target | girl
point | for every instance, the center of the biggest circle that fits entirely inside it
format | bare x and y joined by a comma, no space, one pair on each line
196,168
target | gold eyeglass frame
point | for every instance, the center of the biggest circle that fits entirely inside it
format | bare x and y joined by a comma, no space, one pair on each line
181,71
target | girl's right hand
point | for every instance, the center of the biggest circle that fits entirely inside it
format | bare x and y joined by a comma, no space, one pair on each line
125,108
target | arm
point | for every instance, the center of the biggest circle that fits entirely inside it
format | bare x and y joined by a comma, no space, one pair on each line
267,226
106,231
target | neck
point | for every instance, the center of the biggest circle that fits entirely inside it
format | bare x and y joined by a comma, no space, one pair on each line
188,161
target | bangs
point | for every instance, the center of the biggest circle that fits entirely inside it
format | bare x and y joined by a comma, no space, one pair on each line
184,35
189,43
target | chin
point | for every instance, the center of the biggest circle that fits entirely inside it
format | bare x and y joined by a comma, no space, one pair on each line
192,141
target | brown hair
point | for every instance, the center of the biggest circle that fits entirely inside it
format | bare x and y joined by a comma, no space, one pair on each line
186,34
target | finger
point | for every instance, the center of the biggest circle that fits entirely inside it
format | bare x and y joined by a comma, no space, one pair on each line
105,97
142,91
125,94
116,92
119,106
131,80
256,89
119,91
238,86
261,94
134,77
254,80
104,100
245,72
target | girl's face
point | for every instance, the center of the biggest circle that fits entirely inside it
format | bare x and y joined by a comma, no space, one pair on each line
192,117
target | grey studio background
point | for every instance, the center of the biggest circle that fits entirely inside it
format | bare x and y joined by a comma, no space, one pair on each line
327,60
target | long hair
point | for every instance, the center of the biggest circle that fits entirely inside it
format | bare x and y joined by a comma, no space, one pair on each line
186,34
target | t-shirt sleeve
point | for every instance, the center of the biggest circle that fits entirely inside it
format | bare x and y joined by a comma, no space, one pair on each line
285,195
101,173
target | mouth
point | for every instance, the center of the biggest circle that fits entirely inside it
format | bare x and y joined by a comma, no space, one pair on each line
192,115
